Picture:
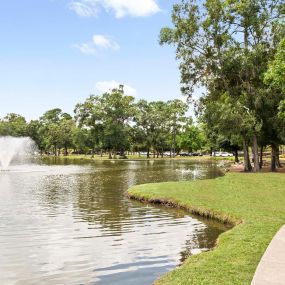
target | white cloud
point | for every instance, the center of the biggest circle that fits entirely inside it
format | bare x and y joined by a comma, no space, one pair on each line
86,48
84,8
98,42
121,8
105,42
107,86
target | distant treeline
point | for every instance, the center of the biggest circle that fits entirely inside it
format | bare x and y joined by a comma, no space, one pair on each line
114,123
111,123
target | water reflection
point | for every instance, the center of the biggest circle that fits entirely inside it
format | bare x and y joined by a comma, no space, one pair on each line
73,224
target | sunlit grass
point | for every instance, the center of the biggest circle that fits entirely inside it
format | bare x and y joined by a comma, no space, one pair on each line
143,157
255,203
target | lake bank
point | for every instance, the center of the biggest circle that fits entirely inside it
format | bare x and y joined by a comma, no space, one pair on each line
90,158
253,202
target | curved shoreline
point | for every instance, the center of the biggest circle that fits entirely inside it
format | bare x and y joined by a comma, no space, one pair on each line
203,213
230,200
191,210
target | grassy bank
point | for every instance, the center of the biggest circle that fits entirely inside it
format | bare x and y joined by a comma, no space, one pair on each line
76,157
255,203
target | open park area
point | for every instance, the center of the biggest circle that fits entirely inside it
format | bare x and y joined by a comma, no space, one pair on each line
142,142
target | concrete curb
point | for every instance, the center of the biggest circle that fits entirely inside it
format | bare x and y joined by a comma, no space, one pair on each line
271,269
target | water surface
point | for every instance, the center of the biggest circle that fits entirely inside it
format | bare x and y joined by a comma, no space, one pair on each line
72,224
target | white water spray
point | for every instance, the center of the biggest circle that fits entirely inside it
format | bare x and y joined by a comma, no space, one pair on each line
15,149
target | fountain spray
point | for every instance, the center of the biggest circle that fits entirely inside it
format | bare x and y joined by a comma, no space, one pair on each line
15,149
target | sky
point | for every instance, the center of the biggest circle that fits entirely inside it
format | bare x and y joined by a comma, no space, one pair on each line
55,53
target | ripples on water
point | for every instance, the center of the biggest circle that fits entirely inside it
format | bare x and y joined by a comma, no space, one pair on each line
68,224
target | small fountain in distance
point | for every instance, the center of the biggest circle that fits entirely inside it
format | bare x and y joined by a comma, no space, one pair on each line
15,150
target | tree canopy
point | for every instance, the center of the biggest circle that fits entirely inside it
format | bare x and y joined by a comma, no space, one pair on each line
227,46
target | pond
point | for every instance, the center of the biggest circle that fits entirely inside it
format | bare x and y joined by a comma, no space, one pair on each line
65,223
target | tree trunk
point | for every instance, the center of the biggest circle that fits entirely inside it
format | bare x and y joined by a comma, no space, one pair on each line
174,143
275,160
147,153
110,155
261,157
273,157
256,167
278,163
236,156
247,165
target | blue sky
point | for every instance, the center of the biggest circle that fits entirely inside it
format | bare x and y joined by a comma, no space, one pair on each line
55,53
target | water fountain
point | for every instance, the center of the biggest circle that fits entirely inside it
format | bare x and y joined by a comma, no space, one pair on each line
14,149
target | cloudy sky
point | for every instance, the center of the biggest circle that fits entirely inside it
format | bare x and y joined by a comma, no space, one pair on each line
54,53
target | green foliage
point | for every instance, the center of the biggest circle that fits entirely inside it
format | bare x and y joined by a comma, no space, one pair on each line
108,117
112,122
192,138
159,123
226,46
13,125
281,110
53,131
275,75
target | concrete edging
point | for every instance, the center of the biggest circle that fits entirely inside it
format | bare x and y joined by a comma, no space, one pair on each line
271,269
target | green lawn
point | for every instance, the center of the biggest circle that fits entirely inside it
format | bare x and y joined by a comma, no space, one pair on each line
143,157
255,203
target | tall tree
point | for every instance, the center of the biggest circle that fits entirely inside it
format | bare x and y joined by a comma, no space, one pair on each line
55,130
109,117
225,46
13,125
274,78
176,117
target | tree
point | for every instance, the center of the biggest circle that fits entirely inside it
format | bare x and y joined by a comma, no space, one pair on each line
275,75
176,117
191,138
108,116
274,78
67,128
144,127
56,130
225,46
81,140
33,131
231,122
153,120
13,125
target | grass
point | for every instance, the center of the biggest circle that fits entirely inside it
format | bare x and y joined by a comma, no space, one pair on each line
254,203
137,157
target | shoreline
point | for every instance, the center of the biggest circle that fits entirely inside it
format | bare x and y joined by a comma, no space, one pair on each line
203,213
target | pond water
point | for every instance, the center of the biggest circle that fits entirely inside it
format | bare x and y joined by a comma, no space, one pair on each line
64,223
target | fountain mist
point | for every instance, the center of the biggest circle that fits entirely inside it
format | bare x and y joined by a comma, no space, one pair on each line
15,149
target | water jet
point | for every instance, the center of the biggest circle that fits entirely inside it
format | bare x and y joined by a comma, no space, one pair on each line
15,150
